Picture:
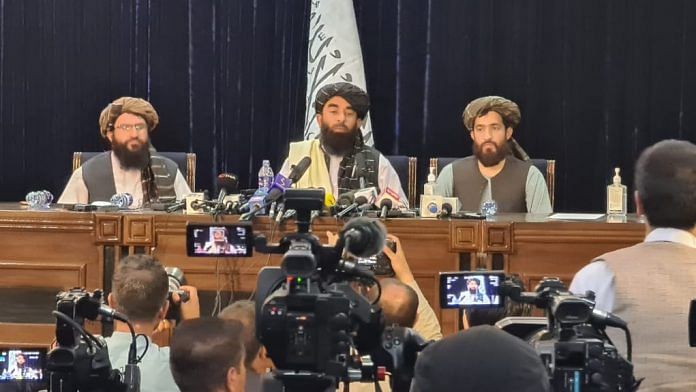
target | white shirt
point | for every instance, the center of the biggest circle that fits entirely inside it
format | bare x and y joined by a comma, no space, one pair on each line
125,180
598,277
155,374
386,176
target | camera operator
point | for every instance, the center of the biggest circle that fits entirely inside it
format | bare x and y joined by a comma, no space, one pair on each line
396,299
256,360
481,359
208,355
649,285
139,290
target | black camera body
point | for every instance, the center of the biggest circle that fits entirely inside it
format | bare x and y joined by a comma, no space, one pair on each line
312,321
573,346
80,361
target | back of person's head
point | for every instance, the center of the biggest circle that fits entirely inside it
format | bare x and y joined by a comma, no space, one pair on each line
399,303
665,179
244,311
139,287
491,315
207,354
480,359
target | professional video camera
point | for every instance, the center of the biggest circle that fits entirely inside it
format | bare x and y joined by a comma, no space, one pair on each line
574,345
311,319
80,361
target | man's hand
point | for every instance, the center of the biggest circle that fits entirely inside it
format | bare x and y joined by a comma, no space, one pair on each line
332,238
192,308
398,261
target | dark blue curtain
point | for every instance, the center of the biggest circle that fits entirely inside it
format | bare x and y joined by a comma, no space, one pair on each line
597,80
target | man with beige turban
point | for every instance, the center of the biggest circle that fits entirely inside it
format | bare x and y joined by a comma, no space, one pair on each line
129,167
493,173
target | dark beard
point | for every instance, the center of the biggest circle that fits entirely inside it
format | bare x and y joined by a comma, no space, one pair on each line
491,159
337,143
137,159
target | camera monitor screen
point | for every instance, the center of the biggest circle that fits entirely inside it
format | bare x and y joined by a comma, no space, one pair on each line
22,364
216,240
470,289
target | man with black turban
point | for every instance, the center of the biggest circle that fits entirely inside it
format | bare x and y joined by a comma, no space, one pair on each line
341,161
129,167
493,173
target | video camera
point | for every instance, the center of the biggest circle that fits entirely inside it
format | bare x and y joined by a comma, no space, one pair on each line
311,319
80,361
573,345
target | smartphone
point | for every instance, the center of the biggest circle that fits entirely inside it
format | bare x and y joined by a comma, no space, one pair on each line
470,289
379,264
216,240
22,365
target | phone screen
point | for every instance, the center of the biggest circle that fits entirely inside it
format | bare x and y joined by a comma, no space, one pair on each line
215,240
471,289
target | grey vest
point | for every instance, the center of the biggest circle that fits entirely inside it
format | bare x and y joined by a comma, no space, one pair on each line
98,176
508,188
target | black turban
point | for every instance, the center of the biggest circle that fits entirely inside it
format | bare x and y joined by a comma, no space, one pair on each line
507,109
356,97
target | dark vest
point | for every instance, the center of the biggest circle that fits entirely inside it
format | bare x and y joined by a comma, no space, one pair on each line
98,176
364,163
508,188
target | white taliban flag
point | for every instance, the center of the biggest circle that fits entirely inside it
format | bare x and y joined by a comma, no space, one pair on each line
334,55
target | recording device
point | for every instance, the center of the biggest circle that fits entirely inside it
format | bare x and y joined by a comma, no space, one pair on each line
573,345
216,240
471,289
176,280
22,368
379,264
357,199
309,316
80,361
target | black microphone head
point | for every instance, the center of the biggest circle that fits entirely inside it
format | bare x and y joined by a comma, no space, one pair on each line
446,209
346,199
360,200
228,182
299,169
385,203
367,236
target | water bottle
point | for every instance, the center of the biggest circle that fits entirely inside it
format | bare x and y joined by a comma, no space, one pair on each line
39,199
265,176
489,208
122,200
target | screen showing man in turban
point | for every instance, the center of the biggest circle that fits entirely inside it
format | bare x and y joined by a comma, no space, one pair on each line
493,173
341,161
131,166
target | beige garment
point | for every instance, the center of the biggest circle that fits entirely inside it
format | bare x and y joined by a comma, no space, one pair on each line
654,284
427,325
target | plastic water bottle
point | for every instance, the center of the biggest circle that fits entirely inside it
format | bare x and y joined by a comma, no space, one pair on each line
39,199
489,208
265,175
122,200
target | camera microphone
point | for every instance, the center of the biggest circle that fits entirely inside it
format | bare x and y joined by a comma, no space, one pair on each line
363,237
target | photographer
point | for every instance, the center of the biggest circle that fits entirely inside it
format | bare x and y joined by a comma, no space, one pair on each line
139,290
426,322
208,355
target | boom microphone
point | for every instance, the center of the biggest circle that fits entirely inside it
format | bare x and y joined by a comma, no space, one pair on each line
363,237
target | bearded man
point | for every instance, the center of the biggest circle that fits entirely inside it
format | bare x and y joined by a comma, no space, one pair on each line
341,161
131,166
493,173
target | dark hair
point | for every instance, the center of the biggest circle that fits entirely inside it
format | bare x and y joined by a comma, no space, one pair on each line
402,309
244,311
140,286
478,282
666,184
490,316
202,352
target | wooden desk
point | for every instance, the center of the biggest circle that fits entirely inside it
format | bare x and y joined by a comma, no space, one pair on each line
43,252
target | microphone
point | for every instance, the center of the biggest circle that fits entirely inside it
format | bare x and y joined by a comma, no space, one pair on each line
390,194
363,237
445,210
281,183
227,183
601,318
385,205
365,196
359,201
